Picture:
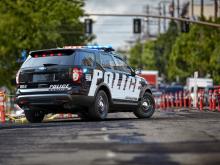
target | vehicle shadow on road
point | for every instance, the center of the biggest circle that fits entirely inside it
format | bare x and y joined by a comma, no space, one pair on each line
78,121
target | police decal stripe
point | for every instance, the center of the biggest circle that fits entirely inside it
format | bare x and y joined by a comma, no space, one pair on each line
127,88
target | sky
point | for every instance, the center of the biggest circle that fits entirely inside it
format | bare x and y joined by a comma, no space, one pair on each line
116,31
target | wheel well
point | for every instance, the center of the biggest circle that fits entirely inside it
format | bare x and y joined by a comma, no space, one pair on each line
148,91
106,90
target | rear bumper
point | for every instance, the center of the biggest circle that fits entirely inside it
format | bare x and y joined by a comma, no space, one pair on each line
54,99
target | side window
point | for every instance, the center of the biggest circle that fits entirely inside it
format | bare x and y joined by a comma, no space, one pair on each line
121,65
85,59
107,61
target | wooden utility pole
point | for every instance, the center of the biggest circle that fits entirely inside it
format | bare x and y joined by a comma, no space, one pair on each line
216,9
219,9
192,8
164,20
148,20
178,8
173,3
202,8
159,20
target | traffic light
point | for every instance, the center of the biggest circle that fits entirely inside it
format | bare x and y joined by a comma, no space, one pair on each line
137,25
171,9
88,26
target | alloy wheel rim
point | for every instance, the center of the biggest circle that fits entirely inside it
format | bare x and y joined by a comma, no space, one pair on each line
101,105
146,105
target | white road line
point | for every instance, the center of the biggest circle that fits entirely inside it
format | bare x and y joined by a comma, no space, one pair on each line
106,138
103,129
110,154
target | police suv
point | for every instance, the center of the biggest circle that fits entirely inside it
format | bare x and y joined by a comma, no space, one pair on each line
90,81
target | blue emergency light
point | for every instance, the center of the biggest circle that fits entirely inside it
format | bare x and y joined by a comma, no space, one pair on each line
98,47
105,48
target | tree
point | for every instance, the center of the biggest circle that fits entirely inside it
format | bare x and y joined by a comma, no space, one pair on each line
148,57
197,50
163,47
155,54
142,55
180,54
135,55
35,25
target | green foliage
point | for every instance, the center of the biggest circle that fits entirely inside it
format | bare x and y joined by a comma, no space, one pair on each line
36,24
197,50
181,54
142,56
135,55
155,54
163,47
148,56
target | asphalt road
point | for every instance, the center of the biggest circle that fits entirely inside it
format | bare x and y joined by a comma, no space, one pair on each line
172,138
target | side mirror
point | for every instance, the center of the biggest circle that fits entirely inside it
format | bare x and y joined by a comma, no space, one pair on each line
138,71
133,73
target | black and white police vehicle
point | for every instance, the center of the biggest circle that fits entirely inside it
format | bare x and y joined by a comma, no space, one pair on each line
90,81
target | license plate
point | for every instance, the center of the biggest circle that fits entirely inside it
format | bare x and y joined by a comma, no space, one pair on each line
43,77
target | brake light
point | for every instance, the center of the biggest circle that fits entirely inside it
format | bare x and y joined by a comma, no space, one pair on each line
76,75
17,77
47,55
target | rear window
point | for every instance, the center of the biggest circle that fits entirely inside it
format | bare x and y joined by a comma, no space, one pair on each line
64,59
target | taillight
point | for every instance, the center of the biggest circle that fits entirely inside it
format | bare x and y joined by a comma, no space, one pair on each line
17,77
47,55
77,74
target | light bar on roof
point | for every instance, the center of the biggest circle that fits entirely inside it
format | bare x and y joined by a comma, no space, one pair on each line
88,47
73,47
98,47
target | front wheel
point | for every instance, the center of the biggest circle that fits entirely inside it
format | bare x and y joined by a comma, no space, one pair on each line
146,107
34,116
99,109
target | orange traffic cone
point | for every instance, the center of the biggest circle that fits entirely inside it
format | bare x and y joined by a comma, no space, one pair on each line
2,107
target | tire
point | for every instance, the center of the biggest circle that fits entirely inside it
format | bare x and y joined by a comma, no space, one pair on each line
34,116
146,107
99,109
84,116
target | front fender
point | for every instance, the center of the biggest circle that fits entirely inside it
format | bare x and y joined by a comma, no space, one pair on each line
143,91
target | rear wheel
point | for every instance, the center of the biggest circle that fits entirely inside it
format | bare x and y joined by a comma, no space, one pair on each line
34,116
99,109
84,116
146,107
